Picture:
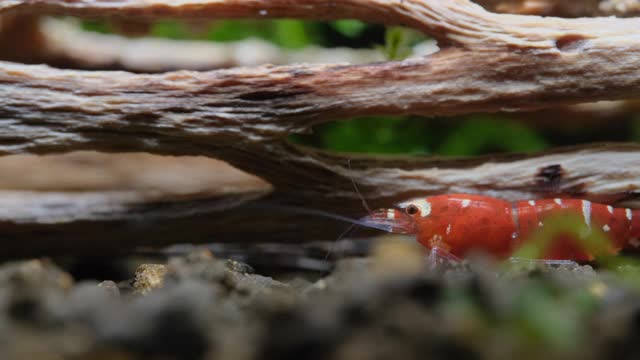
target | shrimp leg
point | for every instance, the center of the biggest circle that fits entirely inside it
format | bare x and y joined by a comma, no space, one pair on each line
519,260
439,257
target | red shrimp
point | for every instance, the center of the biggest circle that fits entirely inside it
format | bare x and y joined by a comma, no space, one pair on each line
457,224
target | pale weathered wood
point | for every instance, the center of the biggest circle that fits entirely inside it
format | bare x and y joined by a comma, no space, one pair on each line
458,21
605,173
557,61
51,41
23,39
117,187
567,8
146,54
62,43
222,112
58,189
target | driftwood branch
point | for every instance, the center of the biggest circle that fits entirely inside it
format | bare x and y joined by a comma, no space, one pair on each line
488,62
117,187
58,223
455,20
64,44
147,54
565,8
497,62
59,43
58,189
322,9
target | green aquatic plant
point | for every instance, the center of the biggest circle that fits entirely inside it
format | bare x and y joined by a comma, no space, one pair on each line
486,134
349,28
591,239
399,42
383,135
412,135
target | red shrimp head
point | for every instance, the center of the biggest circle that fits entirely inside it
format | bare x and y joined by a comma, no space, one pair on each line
403,218
456,224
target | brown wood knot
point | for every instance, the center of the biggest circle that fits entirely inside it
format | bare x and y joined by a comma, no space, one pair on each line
571,43
550,176
271,95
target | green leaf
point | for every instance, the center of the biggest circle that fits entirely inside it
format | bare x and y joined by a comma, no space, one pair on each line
590,239
397,43
171,29
484,134
235,30
382,135
96,26
350,28
544,319
291,34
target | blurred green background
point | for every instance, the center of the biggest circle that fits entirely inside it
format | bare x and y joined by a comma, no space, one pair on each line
460,136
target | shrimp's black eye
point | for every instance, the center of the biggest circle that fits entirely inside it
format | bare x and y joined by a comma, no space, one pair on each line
412,210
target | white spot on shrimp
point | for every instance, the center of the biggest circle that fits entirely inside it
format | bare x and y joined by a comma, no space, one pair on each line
515,215
610,209
558,201
448,229
391,214
540,224
586,212
514,235
263,12
629,214
635,243
422,204
532,203
606,228
466,203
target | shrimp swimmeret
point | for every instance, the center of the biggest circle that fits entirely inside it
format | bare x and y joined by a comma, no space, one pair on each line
457,224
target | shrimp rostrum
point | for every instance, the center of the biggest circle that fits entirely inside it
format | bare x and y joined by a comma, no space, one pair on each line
457,224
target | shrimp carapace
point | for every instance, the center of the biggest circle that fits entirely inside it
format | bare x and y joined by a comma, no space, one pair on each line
459,223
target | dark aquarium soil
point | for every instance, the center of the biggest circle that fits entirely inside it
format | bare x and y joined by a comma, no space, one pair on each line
390,305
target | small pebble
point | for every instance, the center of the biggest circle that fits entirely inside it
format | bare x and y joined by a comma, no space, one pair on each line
148,277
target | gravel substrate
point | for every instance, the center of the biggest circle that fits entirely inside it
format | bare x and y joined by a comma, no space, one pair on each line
393,304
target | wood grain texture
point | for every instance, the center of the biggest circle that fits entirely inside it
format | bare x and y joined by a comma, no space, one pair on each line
62,43
565,8
493,63
44,109
305,178
56,189
287,8
50,41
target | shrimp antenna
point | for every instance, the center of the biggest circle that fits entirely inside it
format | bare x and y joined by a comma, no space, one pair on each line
342,236
364,202
303,210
